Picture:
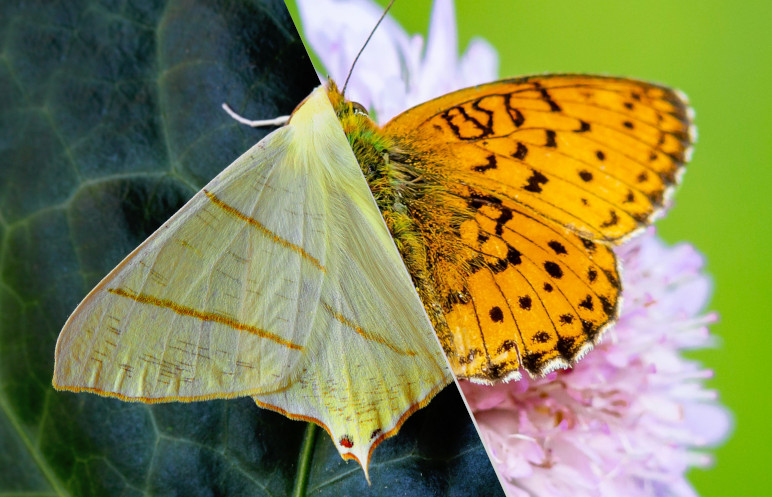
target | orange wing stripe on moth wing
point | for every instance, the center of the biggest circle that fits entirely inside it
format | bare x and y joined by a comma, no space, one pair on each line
363,333
152,400
204,316
262,229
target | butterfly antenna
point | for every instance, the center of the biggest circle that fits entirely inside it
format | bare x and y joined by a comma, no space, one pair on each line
365,45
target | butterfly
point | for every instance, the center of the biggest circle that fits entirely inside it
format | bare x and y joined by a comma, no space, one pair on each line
285,278
506,200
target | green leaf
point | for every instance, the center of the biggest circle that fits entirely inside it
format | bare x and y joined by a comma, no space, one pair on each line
110,120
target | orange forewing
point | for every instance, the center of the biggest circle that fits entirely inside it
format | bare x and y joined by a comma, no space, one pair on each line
554,170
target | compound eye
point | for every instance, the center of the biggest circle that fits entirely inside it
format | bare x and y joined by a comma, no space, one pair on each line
359,109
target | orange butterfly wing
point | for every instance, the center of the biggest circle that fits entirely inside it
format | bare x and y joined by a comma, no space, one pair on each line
553,170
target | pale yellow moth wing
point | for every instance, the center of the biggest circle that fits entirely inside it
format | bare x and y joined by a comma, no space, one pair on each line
278,280
207,306
377,359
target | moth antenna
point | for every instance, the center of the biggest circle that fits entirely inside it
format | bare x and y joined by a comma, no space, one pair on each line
279,121
386,11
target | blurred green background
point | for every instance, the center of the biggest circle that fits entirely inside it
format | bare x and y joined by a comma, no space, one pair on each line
720,54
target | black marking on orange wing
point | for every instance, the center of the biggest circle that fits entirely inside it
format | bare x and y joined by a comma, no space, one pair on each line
554,107
557,247
533,360
553,269
590,329
608,307
612,278
506,346
521,151
541,337
588,244
587,303
525,302
490,165
477,200
488,113
567,347
612,221
483,129
517,117
550,138
504,218
535,182
584,126
496,314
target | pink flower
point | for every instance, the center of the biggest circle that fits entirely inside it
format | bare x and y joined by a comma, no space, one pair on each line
394,72
631,417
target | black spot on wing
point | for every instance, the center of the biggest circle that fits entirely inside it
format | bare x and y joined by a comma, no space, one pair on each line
588,244
535,182
506,346
583,127
525,302
585,175
497,316
557,247
587,303
553,269
541,337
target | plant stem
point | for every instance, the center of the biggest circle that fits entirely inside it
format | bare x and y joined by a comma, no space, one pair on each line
304,461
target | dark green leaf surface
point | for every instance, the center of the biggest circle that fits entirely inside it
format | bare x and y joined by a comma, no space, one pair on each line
110,120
